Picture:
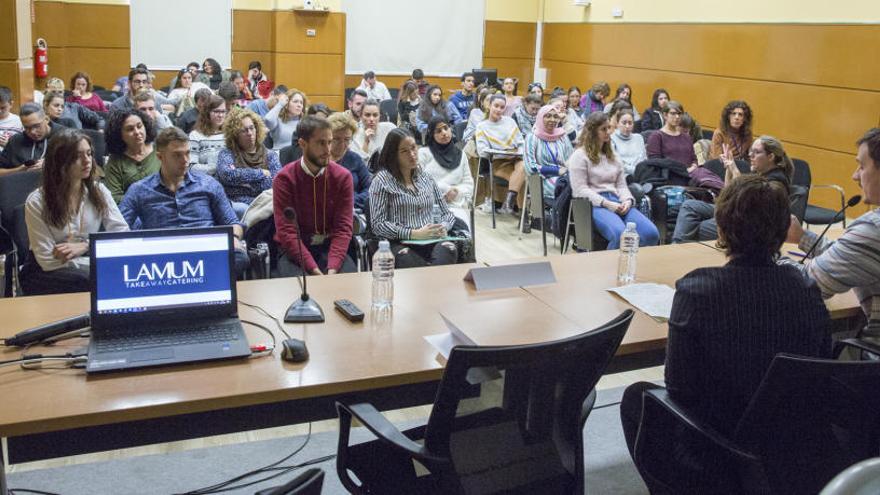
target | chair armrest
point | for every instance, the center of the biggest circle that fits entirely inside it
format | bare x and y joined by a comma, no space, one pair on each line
686,419
829,186
860,344
374,421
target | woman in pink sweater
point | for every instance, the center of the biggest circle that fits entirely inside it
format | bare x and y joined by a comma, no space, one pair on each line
596,175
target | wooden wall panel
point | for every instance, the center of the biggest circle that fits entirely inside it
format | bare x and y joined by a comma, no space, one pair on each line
19,79
104,65
795,77
98,26
827,55
521,69
253,30
241,59
509,40
314,74
290,32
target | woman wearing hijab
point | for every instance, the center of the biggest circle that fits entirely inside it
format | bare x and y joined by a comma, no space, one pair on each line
447,164
547,148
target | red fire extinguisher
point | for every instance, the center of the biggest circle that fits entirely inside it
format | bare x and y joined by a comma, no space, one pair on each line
41,59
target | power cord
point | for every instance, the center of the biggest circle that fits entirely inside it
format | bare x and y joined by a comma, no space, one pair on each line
229,485
14,491
261,350
265,313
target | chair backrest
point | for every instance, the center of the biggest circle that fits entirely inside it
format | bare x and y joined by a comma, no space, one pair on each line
797,200
290,153
810,419
707,133
388,111
647,134
716,166
99,145
535,184
802,175
458,131
14,190
545,386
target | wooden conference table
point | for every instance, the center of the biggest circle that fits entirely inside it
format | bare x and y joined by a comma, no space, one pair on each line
382,353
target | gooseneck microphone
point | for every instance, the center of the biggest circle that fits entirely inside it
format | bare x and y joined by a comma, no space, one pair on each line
304,309
852,202
43,332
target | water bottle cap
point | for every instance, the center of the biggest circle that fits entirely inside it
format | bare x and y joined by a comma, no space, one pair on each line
631,225
384,244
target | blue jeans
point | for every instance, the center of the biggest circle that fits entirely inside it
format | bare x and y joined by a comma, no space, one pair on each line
610,224
239,208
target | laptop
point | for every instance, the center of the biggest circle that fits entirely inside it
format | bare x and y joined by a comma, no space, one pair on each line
163,297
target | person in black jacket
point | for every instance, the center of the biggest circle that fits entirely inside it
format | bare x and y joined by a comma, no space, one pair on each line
187,120
728,322
26,150
652,119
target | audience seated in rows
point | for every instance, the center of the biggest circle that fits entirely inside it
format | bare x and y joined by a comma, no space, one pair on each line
320,193
70,204
463,99
729,322
408,101
214,73
594,100
629,147
356,103
146,103
596,174
574,99
571,123
138,78
27,150
240,83
188,119
343,128
547,149
376,90
81,93
654,118
206,139
688,125
527,113
537,88
615,109
734,131
130,134
508,87
499,139
851,262
71,114
175,197
371,133
445,162
478,114
767,158
433,105
230,94
262,106
53,107
624,93
245,167
10,123
255,76
184,91
670,142
402,198
284,117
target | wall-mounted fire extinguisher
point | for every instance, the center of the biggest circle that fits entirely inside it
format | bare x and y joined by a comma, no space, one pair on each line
41,59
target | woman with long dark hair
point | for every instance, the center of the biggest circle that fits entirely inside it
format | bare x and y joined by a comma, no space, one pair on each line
206,139
402,201
653,118
597,175
433,104
408,106
624,93
130,135
734,132
214,73
69,205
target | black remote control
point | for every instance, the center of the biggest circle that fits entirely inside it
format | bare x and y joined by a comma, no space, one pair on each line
349,310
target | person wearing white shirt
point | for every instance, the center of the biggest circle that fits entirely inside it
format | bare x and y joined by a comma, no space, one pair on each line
448,165
375,90
60,215
371,134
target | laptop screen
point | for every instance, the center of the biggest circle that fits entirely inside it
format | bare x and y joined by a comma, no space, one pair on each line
135,273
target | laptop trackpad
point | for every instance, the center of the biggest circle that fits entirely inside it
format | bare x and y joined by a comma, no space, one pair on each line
151,354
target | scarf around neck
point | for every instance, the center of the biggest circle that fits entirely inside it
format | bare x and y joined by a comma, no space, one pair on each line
447,155
253,159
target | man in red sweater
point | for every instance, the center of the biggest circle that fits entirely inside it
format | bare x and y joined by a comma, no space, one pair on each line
321,193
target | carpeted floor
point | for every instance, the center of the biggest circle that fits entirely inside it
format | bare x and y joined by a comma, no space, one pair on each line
608,465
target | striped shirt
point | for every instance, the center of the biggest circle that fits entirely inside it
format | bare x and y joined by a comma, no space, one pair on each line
499,138
851,262
546,158
395,210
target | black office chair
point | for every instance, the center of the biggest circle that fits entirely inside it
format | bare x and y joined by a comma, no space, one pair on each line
808,420
530,443
308,483
394,92
388,111
816,215
99,145
707,133
14,190
290,153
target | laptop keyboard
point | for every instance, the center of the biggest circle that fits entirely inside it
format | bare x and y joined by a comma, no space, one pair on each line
128,340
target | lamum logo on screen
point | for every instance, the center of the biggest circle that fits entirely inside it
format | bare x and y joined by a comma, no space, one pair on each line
164,274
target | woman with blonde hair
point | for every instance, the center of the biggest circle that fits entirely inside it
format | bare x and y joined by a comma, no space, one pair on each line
245,167
206,138
343,128
285,116
598,176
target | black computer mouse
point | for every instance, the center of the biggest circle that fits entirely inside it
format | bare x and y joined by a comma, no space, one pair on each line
294,350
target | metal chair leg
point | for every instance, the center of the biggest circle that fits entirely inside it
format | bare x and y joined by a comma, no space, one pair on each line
492,191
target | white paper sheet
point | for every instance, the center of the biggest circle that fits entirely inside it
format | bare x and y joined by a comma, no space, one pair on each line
444,342
655,300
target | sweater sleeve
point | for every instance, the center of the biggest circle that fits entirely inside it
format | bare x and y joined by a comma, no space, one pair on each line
285,232
453,113
530,155
114,179
484,148
623,192
230,175
112,221
655,146
579,173
716,149
363,182
838,266
340,236
273,117
42,243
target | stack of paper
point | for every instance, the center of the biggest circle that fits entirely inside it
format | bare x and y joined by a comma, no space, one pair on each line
655,300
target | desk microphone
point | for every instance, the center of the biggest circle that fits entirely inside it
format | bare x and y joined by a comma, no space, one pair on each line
852,202
43,332
304,309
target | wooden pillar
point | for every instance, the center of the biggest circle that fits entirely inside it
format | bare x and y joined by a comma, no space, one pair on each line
16,53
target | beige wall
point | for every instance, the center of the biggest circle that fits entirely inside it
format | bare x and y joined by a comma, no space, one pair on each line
715,11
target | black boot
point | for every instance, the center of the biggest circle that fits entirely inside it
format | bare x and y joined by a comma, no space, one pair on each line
509,204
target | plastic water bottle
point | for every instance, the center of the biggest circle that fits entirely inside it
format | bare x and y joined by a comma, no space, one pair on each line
436,214
383,276
629,248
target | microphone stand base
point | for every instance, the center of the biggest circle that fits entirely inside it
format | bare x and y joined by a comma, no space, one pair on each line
308,311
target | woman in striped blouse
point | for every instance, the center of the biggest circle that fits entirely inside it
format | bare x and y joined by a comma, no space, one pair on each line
402,200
